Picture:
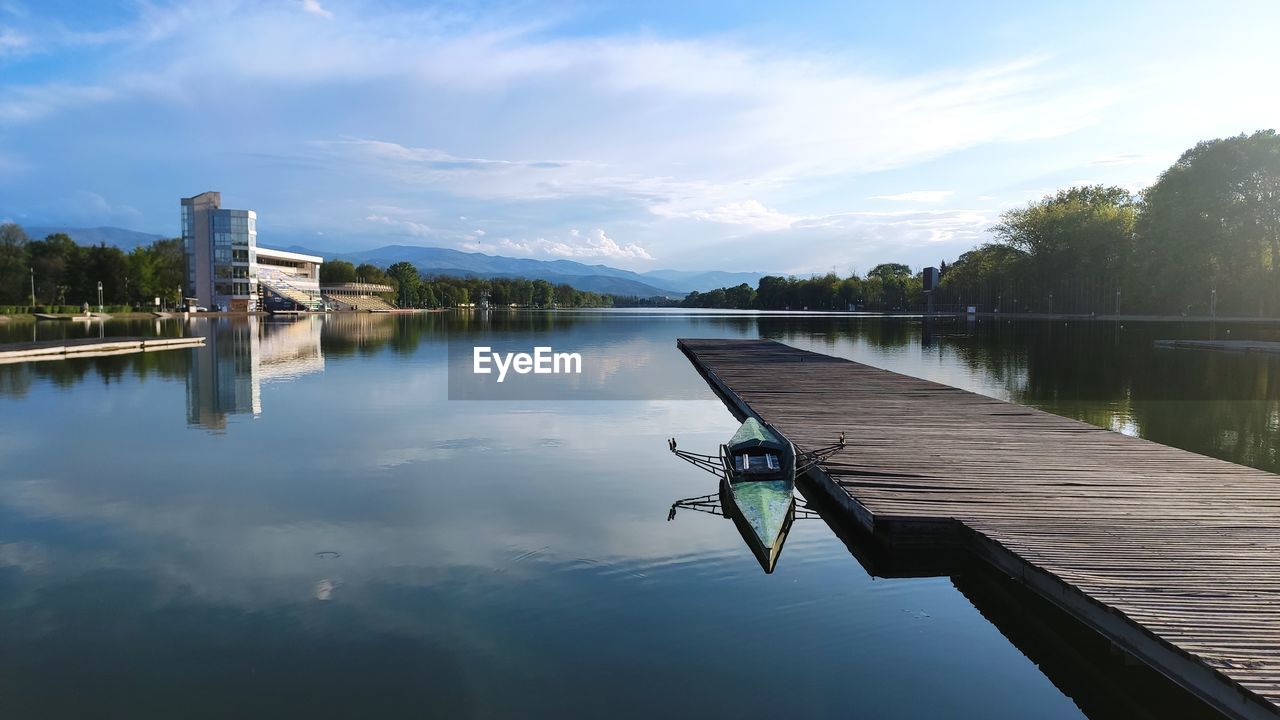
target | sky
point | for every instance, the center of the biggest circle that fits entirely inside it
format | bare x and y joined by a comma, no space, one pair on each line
690,135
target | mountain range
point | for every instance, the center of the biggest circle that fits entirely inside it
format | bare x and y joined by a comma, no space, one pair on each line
126,240
444,261
596,278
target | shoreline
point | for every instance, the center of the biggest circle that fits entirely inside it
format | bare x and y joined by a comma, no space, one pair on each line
168,315
1066,317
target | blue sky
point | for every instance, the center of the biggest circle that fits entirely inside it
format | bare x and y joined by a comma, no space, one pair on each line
693,135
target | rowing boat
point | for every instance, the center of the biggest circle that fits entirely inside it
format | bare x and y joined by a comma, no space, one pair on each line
758,489
757,470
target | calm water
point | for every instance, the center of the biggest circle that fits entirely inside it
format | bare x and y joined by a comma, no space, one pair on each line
296,521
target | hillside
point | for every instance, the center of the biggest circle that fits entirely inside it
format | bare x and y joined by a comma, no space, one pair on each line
126,240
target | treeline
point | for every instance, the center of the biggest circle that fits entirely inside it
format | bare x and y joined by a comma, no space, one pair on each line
413,289
887,287
60,272
1204,239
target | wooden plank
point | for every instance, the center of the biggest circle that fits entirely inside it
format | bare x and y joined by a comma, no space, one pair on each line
1175,556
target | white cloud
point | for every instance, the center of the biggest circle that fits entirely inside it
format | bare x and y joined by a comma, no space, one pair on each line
88,208
751,213
314,7
12,42
921,196
862,239
683,144
409,227
24,103
1123,159
595,244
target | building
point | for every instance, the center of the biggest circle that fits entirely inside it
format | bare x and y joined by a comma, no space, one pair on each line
288,280
226,270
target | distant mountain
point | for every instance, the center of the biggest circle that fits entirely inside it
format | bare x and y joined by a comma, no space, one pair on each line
702,281
126,240
444,261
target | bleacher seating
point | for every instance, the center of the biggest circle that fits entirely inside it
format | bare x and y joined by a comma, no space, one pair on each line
282,289
366,303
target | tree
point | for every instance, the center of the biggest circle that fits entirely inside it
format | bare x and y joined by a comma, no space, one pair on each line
370,273
54,261
14,268
775,293
1211,225
142,274
101,264
407,282
170,264
896,285
742,297
984,276
156,270
543,293
1078,232
429,298
850,292
337,271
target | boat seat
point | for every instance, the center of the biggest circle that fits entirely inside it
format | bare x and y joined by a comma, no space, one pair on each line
765,463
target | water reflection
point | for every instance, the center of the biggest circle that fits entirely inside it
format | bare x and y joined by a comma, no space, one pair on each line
1108,374
715,505
1101,680
421,552
225,376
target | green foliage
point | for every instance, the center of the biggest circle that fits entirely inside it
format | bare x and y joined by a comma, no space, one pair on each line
407,282
68,274
887,287
993,264
1080,231
1204,238
337,271
370,273
1205,235
14,268
1211,222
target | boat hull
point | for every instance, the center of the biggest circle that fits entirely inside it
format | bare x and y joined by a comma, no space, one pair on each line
762,511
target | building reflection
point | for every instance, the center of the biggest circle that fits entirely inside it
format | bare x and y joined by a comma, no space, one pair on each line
225,377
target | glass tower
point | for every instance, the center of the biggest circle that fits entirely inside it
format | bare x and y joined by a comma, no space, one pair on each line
221,252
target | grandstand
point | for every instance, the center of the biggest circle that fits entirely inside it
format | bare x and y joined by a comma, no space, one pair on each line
288,281
358,296
278,294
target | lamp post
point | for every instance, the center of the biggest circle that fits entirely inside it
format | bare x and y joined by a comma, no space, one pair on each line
99,296
33,287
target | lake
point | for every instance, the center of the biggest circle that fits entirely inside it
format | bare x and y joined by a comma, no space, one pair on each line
297,520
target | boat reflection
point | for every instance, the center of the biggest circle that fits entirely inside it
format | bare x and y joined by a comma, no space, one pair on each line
719,505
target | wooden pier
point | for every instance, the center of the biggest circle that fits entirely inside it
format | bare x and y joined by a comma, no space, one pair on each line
1232,346
1173,556
90,347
